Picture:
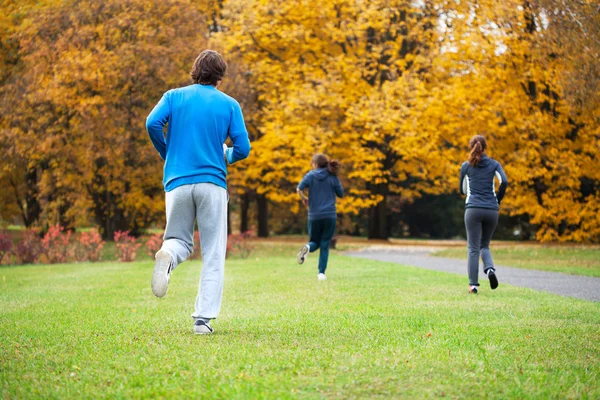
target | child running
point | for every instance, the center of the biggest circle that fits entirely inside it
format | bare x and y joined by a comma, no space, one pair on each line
200,118
481,210
323,186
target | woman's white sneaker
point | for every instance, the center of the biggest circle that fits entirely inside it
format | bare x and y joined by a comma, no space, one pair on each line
302,254
162,273
321,277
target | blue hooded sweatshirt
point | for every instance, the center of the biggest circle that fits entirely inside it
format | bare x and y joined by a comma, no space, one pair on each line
477,182
323,188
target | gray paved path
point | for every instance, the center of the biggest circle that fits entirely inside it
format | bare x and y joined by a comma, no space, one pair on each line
581,287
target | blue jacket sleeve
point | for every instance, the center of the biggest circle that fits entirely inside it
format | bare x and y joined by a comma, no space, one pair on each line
239,136
503,182
155,123
305,182
337,186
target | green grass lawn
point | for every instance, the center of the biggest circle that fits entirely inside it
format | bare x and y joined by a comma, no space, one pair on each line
372,330
570,260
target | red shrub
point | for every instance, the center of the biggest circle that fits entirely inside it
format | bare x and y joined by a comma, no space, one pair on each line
56,245
240,244
229,248
29,248
6,245
127,246
89,247
197,253
153,244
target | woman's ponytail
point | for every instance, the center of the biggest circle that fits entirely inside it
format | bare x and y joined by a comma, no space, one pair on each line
334,167
478,146
322,161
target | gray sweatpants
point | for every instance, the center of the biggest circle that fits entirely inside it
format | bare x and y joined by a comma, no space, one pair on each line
481,224
207,204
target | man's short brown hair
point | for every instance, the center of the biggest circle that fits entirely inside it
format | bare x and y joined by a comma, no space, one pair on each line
209,68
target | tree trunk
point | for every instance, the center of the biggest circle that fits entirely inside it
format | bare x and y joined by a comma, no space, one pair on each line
378,218
109,217
378,227
244,206
228,220
32,205
62,217
263,216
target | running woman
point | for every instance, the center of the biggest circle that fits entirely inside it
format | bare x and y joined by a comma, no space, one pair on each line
323,186
200,118
481,211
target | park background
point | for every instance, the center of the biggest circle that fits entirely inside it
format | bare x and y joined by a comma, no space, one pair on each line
392,89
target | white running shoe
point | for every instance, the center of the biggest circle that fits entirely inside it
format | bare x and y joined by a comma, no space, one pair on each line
322,277
162,273
302,254
202,328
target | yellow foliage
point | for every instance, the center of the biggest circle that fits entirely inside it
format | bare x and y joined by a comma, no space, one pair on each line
395,91
89,73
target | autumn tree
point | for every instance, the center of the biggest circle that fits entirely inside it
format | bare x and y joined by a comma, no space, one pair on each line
347,78
396,89
18,180
570,30
504,83
91,72
393,89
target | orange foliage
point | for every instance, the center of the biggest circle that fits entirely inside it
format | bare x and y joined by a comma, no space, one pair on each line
393,89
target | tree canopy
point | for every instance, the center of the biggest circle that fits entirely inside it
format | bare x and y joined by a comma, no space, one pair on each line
393,89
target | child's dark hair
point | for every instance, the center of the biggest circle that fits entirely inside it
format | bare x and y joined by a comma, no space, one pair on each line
478,146
322,161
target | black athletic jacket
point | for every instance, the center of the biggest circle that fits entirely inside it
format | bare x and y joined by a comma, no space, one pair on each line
478,183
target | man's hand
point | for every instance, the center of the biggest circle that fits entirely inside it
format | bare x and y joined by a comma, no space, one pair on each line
228,153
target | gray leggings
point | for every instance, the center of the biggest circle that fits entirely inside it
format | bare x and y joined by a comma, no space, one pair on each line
481,224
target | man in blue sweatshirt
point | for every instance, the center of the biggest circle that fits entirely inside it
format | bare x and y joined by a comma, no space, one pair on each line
199,120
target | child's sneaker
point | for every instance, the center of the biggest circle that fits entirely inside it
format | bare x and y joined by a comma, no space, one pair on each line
302,254
493,279
162,273
473,289
321,277
202,328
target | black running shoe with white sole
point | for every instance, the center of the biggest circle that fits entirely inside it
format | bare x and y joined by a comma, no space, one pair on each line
202,328
493,279
302,254
162,273
473,289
